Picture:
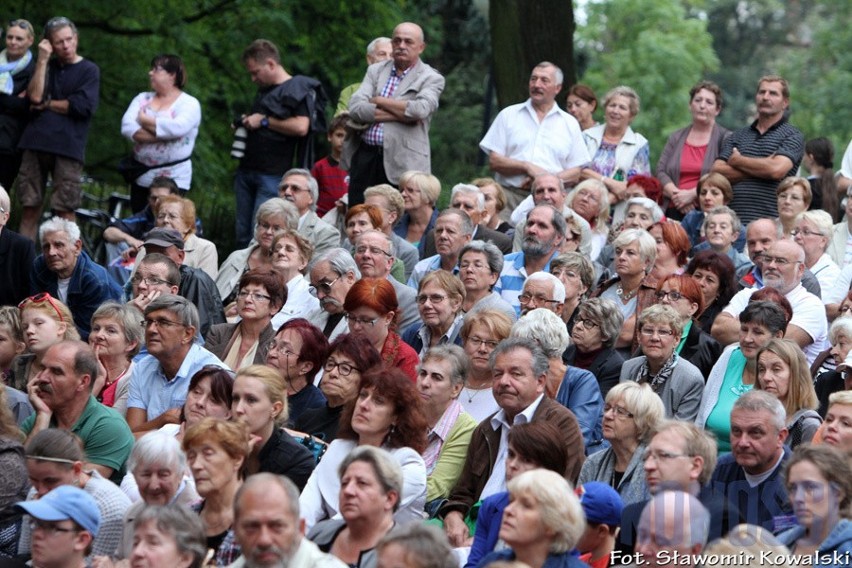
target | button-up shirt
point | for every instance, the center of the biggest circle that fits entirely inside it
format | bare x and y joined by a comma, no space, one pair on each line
375,135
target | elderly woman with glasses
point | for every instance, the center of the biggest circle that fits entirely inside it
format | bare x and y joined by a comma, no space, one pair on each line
261,294
17,70
349,356
631,413
178,213
439,299
373,312
812,232
291,255
592,347
481,332
678,382
440,379
272,217
480,264
575,389
794,197
577,274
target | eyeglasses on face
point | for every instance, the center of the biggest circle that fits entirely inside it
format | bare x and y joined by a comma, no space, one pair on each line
322,286
149,280
361,321
256,296
49,528
43,298
375,251
587,323
672,295
433,298
479,342
651,332
527,298
619,410
662,456
162,323
280,348
343,369
780,261
806,233
292,187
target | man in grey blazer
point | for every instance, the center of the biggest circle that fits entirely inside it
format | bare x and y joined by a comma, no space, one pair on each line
390,113
300,188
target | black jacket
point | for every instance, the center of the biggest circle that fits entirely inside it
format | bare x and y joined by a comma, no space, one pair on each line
282,455
701,350
17,254
606,367
197,287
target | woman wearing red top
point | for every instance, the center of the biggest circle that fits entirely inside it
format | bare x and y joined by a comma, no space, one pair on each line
373,312
691,151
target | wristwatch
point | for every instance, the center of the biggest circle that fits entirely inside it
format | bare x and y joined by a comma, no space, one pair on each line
264,122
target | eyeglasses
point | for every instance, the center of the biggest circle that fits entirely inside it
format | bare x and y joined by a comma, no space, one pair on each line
660,455
149,281
256,296
651,332
361,321
23,24
49,528
58,22
587,323
559,272
372,250
263,226
619,410
292,187
345,369
43,298
434,298
279,348
324,287
162,323
767,260
790,197
527,298
479,342
806,232
672,295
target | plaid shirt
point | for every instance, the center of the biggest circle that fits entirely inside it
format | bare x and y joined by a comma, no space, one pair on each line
375,135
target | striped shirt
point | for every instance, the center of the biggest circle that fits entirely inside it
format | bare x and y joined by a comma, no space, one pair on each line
754,198
512,278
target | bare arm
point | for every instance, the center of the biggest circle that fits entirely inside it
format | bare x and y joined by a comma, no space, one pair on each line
511,167
799,335
138,425
143,135
293,126
726,329
105,471
732,174
771,167
570,176
35,90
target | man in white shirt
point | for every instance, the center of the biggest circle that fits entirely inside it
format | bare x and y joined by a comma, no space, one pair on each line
534,138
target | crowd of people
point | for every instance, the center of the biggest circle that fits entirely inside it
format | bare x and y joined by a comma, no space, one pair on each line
582,361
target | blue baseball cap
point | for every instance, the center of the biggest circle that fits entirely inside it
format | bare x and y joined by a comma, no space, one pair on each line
66,503
601,503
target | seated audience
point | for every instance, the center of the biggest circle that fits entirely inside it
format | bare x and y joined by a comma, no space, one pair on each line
416,546
836,429
716,276
291,254
297,353
602,507
678,382
495,203
392,207
420,192
714,190
592,347
722,229
783,371
590,200
674,524
116,338
481,332
259,401
480,264
813,233
440,378
794,197
18,251
349,356
168,535
672,249
827,376
631,414
387,414
577,275
15,480
439,300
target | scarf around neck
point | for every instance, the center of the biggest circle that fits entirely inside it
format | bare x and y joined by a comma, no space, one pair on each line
658,381
8,69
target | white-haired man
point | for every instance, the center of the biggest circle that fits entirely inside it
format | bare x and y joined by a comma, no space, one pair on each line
471,200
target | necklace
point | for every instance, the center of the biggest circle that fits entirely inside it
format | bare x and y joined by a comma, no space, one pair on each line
625,296
475,392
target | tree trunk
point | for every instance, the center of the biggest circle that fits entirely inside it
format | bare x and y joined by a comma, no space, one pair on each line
525,33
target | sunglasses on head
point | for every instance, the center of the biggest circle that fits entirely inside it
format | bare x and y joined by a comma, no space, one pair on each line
43,298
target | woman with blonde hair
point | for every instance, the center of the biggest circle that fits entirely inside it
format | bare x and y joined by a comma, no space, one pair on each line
783,371
178,213
794,197
420,192
45,322
291,255
590,200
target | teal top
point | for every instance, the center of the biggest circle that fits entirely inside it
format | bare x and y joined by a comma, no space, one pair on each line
719,420
683,335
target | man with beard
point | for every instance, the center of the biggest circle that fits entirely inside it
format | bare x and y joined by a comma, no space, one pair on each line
61,395
453,230
374,255
332,274
268,528
783,265
544,232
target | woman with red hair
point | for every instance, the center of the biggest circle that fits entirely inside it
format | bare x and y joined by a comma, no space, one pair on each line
672,249
386,414
373,313
684,294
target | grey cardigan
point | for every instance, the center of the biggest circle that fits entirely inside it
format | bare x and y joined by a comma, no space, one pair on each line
668,166
600,466
682,392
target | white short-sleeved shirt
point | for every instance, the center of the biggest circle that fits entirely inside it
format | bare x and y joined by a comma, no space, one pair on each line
555,144
808,314
827,274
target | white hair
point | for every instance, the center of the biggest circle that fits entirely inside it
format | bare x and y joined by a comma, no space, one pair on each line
57,225
545,328
558,286
470,190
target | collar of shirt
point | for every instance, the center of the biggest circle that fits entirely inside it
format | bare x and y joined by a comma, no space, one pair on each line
524,417
302,220
183,371
448,419
448,337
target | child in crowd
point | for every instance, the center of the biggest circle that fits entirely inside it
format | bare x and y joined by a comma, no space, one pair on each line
333,181
603,507
11,338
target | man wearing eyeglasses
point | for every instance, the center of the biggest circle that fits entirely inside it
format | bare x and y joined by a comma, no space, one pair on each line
374,255
542,290
300,188
160,380
63,96
783,265
453,230
64,524
680,456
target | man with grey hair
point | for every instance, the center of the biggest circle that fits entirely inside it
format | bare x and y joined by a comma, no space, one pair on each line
393,109
300,188
65,271
673,530
519,367
332,274
61,394
722,228
471,200
268,528
15,251
160,380
374,255
378,50
453,231
535,137
544,233
750,476
542,290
